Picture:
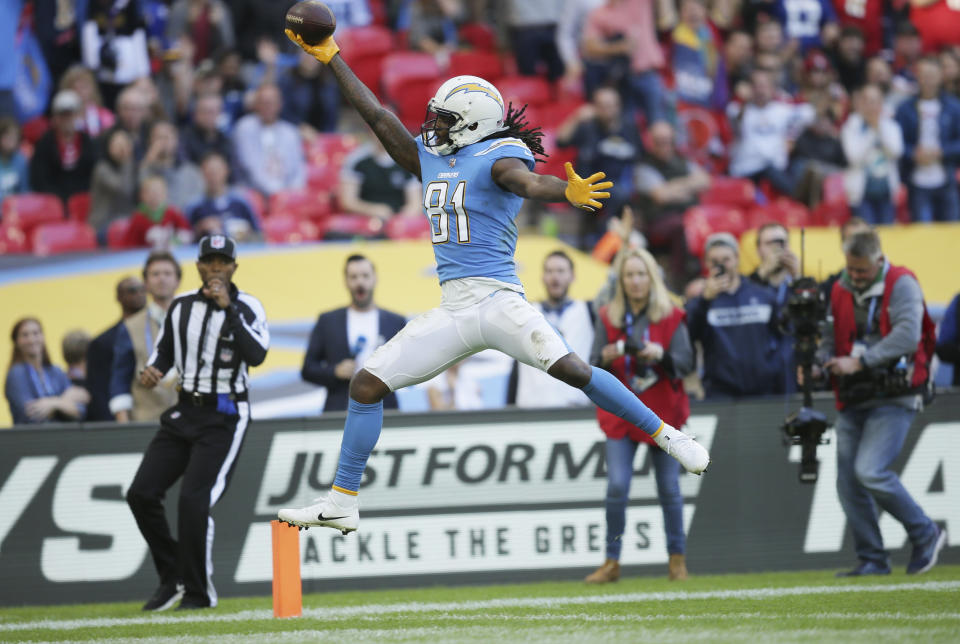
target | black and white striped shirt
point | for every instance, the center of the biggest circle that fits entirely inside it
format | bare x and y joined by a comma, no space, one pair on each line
212,347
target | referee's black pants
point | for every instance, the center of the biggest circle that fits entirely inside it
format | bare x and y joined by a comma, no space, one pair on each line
200,444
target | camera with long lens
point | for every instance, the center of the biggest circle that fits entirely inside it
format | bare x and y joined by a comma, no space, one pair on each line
802,315
889,380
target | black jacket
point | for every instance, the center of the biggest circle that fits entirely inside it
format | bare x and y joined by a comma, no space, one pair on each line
329,346
47,173
99,367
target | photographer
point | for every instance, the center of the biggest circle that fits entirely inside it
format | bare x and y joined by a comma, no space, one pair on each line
778,264
877,350
849,227
641,337
735,321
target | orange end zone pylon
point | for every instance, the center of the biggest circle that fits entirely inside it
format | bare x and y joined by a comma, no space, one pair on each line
287,590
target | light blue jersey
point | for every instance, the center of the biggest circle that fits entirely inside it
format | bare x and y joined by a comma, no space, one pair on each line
472,218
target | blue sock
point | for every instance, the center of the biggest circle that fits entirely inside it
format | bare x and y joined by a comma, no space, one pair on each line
360,435
610,394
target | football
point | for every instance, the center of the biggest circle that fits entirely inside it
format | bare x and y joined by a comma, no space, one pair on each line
312,20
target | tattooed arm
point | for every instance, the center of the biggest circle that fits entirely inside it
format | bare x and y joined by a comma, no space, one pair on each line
384,123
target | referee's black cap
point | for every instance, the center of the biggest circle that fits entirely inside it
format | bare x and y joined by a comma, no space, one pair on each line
218,245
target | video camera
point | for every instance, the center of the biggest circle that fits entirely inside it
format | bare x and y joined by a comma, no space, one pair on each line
883,381
804,311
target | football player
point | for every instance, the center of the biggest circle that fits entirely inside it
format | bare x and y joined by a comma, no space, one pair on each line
475,160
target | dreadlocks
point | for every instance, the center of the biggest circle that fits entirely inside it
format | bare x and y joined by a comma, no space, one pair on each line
516,126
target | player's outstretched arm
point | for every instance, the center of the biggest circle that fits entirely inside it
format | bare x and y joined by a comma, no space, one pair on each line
384,123
514,176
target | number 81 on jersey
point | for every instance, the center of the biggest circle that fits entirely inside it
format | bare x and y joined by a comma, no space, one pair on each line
434,200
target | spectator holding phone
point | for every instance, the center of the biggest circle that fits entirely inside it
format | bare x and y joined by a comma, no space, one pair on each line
735,322
778,264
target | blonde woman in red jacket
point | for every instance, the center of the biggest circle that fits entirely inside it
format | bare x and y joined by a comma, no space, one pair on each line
641,337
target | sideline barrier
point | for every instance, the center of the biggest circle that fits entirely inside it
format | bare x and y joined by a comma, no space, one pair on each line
451,498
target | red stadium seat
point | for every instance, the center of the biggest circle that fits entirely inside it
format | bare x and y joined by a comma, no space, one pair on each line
78,207
401,67
557,156
365,42
833,190
364,48
485,64
833,210
411,101
323,177
13,240
34,129
782,210
370,71
26,211
479,36
346,226
289,229
408,227
901,205
63,237
552,115
533,115
730,191
255,199
117,233
555,162
303,204
830,213
379,10
700,222
531,90
328,148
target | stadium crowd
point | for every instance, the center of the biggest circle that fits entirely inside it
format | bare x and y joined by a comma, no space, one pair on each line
149,123
733,322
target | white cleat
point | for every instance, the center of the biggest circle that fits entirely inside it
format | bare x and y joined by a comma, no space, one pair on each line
691,454
324,513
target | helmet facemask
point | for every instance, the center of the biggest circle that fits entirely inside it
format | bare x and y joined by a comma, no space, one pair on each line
438,126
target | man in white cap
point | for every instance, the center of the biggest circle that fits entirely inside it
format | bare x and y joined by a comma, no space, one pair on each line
64,157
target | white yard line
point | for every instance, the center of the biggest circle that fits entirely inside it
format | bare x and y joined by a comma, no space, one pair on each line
562,632
542,603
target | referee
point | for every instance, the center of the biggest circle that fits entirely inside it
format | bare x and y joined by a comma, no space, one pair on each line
210,335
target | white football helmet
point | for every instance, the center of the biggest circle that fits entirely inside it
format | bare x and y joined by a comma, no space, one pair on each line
472,106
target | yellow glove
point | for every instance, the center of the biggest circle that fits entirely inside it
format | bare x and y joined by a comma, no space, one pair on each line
582,193
324,52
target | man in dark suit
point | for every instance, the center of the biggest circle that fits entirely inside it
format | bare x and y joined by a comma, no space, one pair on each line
344,338
132,298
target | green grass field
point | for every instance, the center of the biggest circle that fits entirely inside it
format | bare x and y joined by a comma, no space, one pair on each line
769,607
